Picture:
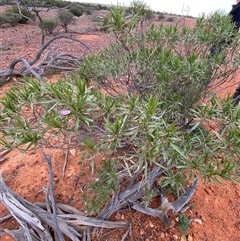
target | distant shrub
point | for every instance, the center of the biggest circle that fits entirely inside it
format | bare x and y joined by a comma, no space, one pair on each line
170,19
140,8
26,15
6,2
76,11
88,11
106,21
105,7
64,19
9,18
61,4
48,26
99,6
149,14
161,16
48,3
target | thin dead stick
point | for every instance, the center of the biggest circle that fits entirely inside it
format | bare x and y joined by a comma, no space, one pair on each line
5,218
65,163
54,209
45,191
3,153
128,232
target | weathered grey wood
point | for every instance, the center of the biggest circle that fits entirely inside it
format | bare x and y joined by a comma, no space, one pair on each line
5,218
38,69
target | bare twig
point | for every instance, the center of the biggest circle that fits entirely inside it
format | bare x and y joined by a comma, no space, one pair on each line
54,210
5,218
65,162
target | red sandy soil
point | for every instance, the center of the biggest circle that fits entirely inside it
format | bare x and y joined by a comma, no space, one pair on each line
215,207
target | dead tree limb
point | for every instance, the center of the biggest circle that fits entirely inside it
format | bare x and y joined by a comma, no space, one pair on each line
62,61
37,222
135,191
58,232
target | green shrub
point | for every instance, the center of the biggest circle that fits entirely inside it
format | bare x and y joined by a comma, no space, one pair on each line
183,224
48,3
157,70
161,16
99,6
25,14
64,19
7,2
61,4
88,11
2,2
10,18
140,8
76,11
48,26
149,14
170,19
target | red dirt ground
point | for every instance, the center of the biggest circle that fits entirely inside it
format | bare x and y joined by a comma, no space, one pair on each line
215,207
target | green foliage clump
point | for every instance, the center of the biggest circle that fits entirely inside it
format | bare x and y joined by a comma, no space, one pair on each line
48,26
24,13
64,19
161,16
76,11
103,187
61,4
170,19
140,8
6,2
134,124
178,71
9,18
183,224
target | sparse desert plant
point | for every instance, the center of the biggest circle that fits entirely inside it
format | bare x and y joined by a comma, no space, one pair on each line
183,224
9,18
61,4
76,11
48,26
140,8
24,13
170,19
64,19
185,51
161,16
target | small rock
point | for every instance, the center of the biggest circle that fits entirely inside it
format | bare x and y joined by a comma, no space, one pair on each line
2,159
162,235
151,224
190,238
183,238
73,152
118,216
197,220
175,237
55,179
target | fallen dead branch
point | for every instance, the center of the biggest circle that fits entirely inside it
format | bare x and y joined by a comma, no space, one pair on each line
50,221
51,60
135,191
